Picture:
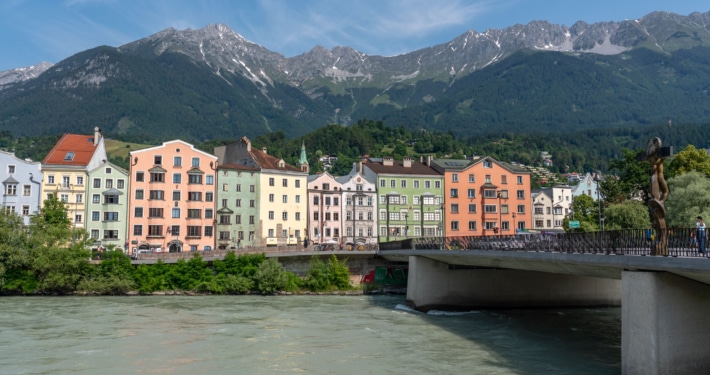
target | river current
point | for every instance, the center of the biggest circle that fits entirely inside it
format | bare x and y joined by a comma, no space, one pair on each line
298,335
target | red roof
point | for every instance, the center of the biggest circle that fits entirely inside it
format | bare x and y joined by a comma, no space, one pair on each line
72,149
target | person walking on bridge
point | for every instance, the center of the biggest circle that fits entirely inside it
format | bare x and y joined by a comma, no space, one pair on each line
700,234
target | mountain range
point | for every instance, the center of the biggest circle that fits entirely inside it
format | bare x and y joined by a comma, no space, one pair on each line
212,83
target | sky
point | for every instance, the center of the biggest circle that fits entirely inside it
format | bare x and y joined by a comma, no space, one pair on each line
33,31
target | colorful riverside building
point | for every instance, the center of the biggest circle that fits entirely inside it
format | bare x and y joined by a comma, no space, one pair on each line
21,183
410,198
324,209
66,168
107,207
485,197
261,199
360,207
171,200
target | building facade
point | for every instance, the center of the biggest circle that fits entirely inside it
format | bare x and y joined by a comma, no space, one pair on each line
484,197
550,207
324,209
171,200
107,207
360,207
65,170
410,198
21,183
273,191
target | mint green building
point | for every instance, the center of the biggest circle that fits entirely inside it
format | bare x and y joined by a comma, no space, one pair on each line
409,198
107,206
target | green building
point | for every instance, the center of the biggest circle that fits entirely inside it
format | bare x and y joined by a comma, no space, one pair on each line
107,206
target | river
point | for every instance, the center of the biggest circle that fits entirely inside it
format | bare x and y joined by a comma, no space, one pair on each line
298,334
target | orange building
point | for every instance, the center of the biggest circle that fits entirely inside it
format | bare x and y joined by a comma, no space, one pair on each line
171,205
484,197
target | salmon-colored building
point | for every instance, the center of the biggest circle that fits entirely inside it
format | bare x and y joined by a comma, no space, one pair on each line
484,197
172,203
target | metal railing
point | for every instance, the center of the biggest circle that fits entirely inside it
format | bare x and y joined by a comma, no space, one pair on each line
670,242
253,250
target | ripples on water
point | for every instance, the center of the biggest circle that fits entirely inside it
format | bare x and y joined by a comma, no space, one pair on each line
297,334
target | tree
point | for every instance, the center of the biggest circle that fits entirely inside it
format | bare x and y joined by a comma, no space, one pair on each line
633,176
688,198
690,159
586,211
630,214
13,245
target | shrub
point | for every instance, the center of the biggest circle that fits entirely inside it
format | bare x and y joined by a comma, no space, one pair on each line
270,277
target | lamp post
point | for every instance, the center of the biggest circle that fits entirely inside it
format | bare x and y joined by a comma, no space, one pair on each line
515,228
500,214
597,179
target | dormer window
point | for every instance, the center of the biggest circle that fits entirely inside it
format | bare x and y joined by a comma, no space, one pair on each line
69,156
281,164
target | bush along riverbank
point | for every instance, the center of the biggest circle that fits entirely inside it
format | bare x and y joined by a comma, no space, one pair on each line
115,275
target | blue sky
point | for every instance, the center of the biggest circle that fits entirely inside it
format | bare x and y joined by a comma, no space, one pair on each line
32,31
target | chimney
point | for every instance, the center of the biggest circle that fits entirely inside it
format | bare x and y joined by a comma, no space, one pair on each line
387,161
97,135
407,162
263,149
247,142
359,167
428,160
421,159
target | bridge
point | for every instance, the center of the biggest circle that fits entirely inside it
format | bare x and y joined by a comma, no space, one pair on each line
665,299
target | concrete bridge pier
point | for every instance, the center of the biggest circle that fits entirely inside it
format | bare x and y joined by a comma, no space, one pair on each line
435,285
665,324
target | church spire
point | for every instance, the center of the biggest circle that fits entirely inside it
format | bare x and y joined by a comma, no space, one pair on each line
303,160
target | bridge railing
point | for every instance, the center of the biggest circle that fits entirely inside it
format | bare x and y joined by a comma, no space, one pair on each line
670,242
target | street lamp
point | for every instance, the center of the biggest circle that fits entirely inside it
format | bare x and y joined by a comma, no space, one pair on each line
515,228
500,212
597,179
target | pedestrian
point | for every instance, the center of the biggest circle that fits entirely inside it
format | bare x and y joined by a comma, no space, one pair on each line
700,234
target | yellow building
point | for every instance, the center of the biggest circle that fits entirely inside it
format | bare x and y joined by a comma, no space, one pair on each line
66,168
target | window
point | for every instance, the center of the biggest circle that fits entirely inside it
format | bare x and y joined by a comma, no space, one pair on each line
194,213
284,198
519,179
25,210
472,208
490,208
471,225
327,216
316,200
472,193
427,184
315,216
97,183
193,178
109,184
140,176
194,196
209,180
26,190
95,216
454,225
80,180
69,156
521,194
471,178
208,231
252,203
78,218
382,182
297,216
95,234
392,183
284,182
504,179
176,195
521,209
157,177
157,160
488,179
239,187
195,162
252,188
157,194
437,184
10,169
237,219
139,194
403,184
454,193
79,198
271,215
110,199
177,178
271,197
251,219
155,212
238,203
504,209
110,216
209,213
177,161
64,198
298,184
489,193
271,181
454,177
327,201
416,184
65,181
137,230
138,212
209,197
120,184
487,164
50,180
11,189
194,231
284,216
176,213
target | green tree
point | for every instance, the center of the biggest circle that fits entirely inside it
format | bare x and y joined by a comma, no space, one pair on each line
630,214
689,197
586,211
634,176
270,277
690,159
14,256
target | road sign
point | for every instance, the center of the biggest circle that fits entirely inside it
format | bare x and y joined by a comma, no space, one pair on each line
573,224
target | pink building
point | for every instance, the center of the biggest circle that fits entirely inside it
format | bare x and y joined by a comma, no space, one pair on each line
171,205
